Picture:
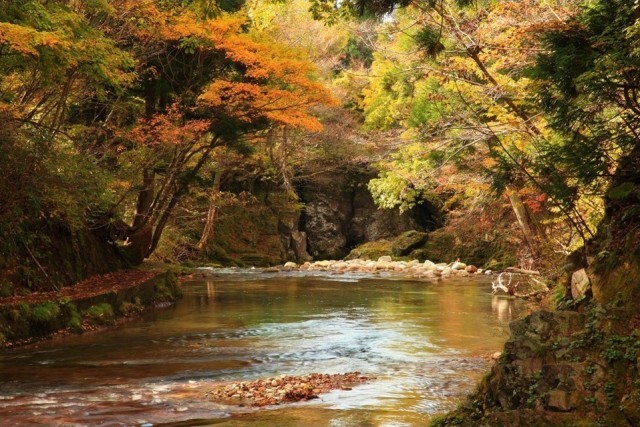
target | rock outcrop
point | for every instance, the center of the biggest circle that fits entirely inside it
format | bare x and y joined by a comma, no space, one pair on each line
554,370
407,242
578,366
340,214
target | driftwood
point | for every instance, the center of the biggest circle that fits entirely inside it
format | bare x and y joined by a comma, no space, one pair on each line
522,271
498,284
510,288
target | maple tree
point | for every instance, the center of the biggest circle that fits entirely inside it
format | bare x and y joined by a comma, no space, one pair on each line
243,86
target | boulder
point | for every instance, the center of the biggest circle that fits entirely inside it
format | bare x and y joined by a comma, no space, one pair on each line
290,265
458,265
580,284
408,241
385,258
471,269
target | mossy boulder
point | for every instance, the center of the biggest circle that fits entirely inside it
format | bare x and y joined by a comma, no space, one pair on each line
371,250
408,241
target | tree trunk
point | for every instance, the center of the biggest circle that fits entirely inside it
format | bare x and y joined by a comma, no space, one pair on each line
145,198
207,233
524,221
182,188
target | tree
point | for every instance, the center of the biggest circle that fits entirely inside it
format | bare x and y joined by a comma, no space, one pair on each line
207,82
588,84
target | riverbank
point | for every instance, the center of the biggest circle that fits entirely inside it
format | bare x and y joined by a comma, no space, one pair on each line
95,303
414,268
525,284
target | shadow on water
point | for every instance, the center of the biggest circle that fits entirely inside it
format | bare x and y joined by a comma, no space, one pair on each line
426,344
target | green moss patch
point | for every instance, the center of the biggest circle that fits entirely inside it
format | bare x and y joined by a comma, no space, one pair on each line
371,250
100,314
45,312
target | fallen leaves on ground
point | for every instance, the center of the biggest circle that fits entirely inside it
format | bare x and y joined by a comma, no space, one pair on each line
274,391
94,285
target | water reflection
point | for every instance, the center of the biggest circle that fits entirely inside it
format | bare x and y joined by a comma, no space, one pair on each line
502,307
426,344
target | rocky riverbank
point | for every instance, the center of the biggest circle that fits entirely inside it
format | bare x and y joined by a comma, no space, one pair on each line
385,264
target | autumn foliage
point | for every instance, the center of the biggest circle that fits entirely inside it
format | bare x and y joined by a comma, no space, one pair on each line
121,105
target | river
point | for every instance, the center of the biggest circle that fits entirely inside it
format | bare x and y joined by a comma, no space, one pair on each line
426,344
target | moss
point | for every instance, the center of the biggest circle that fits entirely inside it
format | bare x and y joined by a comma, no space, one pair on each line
167,288
45,312
371,250
75,322
100,313
24,309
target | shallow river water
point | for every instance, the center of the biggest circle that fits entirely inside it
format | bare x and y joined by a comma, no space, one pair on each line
426,343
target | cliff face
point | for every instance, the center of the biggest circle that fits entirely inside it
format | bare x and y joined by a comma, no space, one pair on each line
334,214
339,214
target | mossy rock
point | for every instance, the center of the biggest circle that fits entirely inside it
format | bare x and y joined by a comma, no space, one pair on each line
167,288
408,241
100,314
371,250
